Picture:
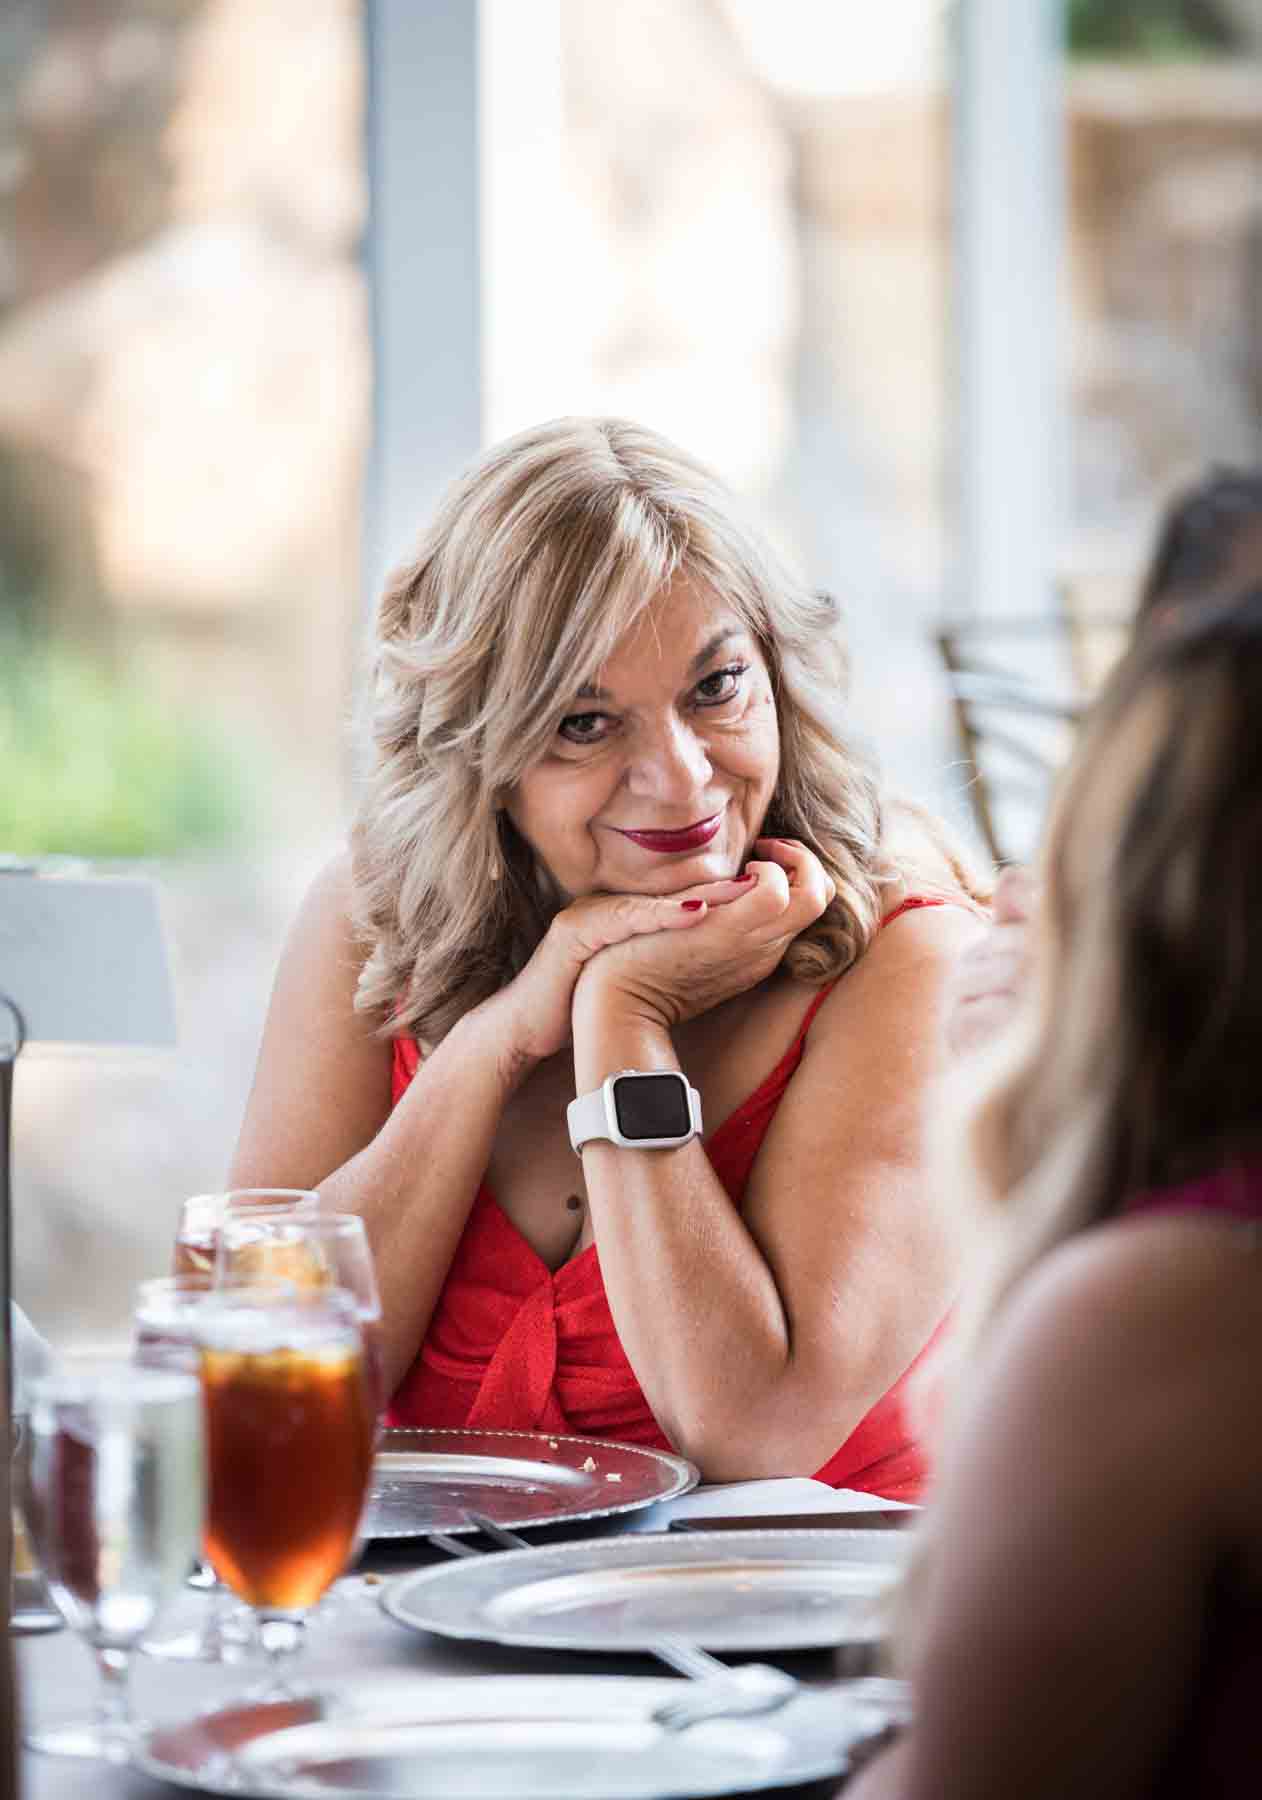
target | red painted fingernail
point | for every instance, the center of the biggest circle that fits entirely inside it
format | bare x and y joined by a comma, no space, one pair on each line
692,905
749,876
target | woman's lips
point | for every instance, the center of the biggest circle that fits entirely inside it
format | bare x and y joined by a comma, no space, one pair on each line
671,843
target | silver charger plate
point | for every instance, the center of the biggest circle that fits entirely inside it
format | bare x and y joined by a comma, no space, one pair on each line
492,1737
428,1481
724,1590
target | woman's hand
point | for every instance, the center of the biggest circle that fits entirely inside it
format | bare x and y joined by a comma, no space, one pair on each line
990,978
666,979
537,1004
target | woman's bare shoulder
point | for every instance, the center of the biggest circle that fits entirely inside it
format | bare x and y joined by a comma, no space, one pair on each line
321,1087
903,975
325,941
1151,1280
1141,1339
329,899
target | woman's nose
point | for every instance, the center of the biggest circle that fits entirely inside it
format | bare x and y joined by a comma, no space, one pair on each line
668,763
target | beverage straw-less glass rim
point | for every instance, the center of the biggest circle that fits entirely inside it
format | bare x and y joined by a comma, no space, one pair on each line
195,1283
207,1211
81,1377
277,1315
333,1227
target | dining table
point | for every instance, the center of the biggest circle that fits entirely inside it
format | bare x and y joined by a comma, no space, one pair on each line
352,1637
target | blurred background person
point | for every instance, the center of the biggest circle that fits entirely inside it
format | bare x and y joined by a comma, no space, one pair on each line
1087,1615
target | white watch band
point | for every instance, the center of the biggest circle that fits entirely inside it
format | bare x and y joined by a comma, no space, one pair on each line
595,1115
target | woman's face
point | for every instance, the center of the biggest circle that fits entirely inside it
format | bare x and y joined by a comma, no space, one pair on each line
660,774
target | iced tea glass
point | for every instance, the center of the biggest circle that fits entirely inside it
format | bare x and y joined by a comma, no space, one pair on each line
163,1337
202,1216
164,1316
313,1250
289,1429
196,1240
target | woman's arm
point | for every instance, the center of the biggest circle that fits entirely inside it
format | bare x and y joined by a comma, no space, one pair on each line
762,1339
319,1111
1081,1518
319,1116
990,979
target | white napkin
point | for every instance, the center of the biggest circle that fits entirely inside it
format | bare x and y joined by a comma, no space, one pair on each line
742,1499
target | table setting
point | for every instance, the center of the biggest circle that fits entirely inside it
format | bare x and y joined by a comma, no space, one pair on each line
525,1613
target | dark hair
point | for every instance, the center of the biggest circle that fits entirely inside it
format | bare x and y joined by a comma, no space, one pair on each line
1191,857
1204,535
1144,1063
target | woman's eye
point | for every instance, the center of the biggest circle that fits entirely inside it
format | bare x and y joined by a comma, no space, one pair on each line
723,685
583,728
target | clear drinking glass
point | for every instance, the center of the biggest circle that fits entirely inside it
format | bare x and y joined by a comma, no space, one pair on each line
196,1241
313,1250
290,1430
163,1337
31,1610
201,1216
114,1502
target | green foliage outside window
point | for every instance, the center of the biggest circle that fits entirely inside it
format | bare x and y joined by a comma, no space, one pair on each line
1149,30
92,765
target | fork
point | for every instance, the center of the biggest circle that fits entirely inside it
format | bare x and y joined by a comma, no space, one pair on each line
718,1691
715,1691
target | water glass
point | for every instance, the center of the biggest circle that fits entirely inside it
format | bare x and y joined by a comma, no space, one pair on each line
114,1501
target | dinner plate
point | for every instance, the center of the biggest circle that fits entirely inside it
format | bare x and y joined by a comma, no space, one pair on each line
492,1737
724,1590
428,1481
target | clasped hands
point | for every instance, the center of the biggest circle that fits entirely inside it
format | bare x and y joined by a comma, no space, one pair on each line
661,959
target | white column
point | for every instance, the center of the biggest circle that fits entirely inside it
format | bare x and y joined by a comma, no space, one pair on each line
533,255
1010,250
424,264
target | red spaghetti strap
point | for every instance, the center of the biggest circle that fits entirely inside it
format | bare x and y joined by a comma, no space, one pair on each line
809,1014
514,1345
909,905
912,902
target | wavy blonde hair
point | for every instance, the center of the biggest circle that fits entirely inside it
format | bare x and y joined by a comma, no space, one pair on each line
540,558
1138,1062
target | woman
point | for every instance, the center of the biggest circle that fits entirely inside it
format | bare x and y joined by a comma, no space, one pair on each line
616,824
1087,1619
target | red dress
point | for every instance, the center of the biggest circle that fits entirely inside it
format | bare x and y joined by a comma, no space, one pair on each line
514,1345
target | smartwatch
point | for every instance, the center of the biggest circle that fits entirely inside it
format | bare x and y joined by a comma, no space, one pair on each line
641,1109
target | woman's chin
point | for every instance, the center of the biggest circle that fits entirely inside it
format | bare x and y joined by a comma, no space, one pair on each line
683,874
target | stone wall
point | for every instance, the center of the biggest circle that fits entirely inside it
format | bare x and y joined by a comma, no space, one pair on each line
1166,278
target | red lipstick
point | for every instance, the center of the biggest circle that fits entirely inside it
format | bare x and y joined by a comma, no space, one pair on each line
672,843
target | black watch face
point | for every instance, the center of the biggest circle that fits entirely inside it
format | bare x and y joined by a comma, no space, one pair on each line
651,1106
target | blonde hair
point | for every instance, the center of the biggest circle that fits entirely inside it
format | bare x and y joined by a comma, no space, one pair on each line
540,558
1138,1062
